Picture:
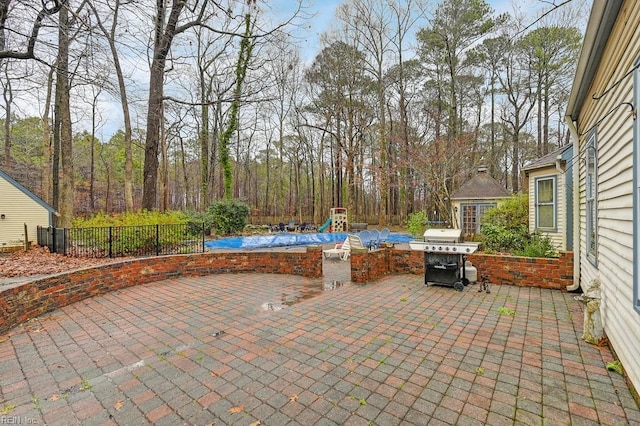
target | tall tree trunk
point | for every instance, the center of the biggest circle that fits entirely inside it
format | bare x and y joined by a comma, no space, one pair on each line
187,191
164,170
515,167
384,146
492,160
92,165
46,143
66,204
545,122
111,36
8,101
163,38
244,56
204,151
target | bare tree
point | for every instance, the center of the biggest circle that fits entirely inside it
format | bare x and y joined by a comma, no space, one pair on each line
110,35
64,132
520,101
369,22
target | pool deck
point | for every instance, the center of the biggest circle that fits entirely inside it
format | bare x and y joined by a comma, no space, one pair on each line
278,349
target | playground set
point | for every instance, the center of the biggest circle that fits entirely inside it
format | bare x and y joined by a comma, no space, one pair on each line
337,221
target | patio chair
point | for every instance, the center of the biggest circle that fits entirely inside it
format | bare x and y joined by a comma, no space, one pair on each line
384,234
341,249
374,242
365,238
355,242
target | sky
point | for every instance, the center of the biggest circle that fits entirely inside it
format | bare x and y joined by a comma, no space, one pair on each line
323,12
321,16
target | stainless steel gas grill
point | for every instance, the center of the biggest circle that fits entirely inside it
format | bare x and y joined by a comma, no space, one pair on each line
444,257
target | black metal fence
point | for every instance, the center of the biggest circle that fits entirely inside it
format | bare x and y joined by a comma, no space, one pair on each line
120,241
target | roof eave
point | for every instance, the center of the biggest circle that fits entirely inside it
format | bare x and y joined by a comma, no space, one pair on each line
539,166
501,197
601,20
28,193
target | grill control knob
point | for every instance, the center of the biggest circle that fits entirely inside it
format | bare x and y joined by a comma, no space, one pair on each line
439,248
455,249
468,249
446,249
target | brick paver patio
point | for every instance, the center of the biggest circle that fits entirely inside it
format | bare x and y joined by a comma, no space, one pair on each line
278,349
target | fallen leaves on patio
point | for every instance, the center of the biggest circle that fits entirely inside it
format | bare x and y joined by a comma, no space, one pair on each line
118,405
235,410
39,261
293,398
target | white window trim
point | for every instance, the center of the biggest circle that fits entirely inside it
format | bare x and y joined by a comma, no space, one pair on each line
554,203
591,198
477,206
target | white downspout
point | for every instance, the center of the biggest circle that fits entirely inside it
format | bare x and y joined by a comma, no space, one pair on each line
575,171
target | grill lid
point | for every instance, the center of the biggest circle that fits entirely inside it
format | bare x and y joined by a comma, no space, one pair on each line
443,235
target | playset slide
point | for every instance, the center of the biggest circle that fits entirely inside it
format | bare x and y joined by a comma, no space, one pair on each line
325,225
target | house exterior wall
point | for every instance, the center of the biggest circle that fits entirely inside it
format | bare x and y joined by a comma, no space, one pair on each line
559,234
19,209
612,122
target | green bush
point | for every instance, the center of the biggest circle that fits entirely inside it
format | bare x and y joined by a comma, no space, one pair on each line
505,229
538,245
417,223
136,233
498,238
512,214
141,217
201,218
229,216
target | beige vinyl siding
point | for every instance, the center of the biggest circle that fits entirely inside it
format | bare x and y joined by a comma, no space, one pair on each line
19,209
614,188
559,236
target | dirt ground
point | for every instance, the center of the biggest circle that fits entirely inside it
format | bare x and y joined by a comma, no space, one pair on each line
38,261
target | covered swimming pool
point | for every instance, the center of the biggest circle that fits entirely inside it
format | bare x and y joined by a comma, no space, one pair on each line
285,239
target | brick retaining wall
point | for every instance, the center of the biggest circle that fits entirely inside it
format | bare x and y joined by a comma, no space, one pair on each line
31,299
555,273
35,298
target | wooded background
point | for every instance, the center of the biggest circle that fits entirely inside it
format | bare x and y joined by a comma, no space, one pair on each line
398,106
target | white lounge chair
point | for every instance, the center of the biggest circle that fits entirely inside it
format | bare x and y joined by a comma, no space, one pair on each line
340,249
355,243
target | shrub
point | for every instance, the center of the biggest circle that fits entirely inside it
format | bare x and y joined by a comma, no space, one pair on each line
498,238
512,214
506,229
538,245
142,217
201,218
229,216
136,233
417,223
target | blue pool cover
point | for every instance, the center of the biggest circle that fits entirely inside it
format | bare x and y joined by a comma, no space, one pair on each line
290,239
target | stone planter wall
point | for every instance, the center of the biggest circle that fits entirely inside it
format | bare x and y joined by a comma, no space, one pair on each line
31,299
554,273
